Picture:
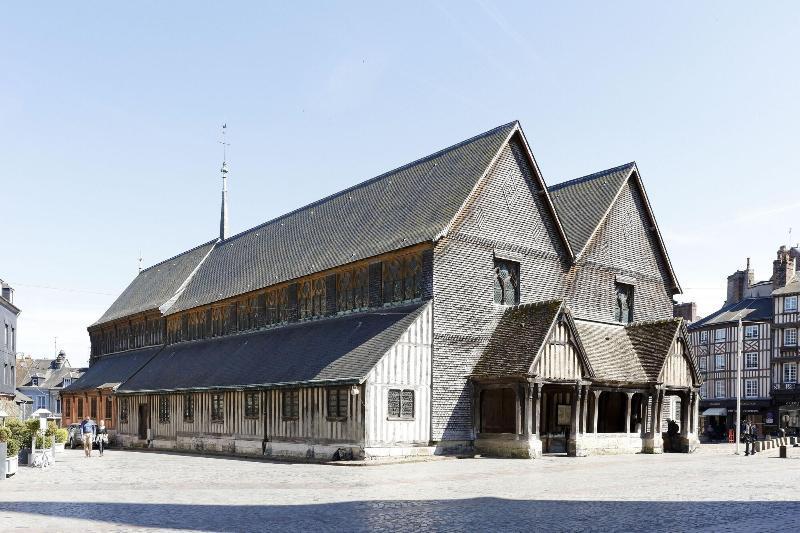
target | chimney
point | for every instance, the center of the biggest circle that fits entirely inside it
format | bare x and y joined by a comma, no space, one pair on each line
738,283
8,292
686,311
783,268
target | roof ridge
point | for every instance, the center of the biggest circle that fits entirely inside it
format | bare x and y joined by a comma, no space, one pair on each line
655,321
375,179
589,177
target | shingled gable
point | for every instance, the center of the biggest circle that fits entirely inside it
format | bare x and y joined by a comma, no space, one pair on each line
157,285
652,342
413,204
517,341
335,350
584,203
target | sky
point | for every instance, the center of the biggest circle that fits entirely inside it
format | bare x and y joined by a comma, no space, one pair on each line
110,119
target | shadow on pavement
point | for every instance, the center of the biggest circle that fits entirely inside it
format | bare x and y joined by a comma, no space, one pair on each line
465,514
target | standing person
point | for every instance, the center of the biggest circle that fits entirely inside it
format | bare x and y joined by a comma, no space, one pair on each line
102,436
87,434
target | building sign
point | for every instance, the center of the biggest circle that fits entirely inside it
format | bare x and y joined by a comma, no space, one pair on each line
770,418
564,415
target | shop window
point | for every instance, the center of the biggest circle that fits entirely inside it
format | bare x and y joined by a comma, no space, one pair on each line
337,403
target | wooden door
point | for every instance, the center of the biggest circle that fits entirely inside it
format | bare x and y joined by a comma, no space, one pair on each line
144,420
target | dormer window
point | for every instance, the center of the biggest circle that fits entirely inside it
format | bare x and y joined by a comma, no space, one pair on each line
35,381
623,304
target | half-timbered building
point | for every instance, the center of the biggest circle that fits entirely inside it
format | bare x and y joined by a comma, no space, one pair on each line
767,351
451,305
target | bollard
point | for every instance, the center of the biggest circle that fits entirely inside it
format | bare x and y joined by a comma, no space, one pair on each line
783,452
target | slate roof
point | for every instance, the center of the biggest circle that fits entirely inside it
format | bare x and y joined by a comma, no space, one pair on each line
155,286
749,309
789,288
610,351
114,368
403,207
517,339
582,203
342,349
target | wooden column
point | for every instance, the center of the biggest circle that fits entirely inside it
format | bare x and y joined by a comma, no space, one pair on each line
476,409
576,402
537,409
628,412
696,414
527,421
597,394
584,409
520,410
685,402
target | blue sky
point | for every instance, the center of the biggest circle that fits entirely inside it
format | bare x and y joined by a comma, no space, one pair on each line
110,118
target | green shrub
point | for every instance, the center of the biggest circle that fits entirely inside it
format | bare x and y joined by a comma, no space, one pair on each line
5,434
61,435
13,448
43,441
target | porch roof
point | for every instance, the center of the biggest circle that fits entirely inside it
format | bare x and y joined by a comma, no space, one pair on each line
517,339
342,349
114,368
610,352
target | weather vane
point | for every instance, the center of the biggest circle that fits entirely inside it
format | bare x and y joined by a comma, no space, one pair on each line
224,144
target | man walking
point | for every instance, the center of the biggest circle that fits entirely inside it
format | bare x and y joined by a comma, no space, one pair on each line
87,434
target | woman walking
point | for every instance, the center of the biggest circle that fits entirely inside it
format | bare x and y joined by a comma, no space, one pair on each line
102,437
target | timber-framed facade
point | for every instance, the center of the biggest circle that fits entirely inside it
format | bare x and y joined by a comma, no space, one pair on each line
371,323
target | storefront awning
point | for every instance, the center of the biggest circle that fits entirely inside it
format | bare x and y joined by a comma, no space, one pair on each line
715,411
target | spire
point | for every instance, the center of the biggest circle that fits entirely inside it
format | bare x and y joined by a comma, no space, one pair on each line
223,218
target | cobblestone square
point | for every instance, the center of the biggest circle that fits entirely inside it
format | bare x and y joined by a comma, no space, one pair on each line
129,491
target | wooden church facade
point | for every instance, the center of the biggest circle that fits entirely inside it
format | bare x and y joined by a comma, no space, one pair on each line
382,329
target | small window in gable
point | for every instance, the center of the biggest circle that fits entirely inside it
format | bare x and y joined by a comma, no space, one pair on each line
623,306
506,282
790,304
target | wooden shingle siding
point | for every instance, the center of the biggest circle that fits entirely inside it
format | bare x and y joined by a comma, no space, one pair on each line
559,359
506,214
407,366
623,245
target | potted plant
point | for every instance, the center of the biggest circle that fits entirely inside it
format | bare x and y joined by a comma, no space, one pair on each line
9,448
21,435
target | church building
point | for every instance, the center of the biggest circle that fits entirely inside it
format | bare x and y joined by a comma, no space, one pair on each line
456,304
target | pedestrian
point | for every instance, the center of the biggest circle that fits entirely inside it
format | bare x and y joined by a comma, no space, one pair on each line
88,428
102,436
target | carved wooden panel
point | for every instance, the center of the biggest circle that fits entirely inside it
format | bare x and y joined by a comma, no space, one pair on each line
311,298
277,305
402,278
352,289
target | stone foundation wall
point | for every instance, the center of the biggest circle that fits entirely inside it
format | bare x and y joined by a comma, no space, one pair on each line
608,444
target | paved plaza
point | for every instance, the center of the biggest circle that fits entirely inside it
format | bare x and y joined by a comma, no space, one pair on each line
711,490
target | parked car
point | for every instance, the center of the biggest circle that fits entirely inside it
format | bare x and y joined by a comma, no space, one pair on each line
74,436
